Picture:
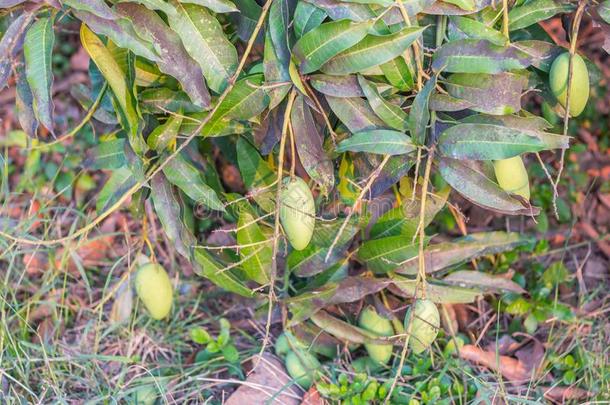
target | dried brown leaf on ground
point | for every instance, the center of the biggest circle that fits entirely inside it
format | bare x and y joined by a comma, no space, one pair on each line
268,382
313,397
563,394
510,368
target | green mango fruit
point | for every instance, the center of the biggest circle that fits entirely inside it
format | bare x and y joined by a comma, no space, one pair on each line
512,176
579,86
371,321
425,326
297,212
302,367
154,288
282,347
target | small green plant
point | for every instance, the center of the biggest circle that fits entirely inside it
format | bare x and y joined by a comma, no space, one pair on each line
221,346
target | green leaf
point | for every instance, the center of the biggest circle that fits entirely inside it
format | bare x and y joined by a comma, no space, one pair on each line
256,174
107,155
38,49
255,248
386,254
494,142
478,30
322,43
183,174
345,331
308,140
478,56
398,73
276,72
479,189
373,50
336,86
205,41
536,10
390,113
355,113
116,186
24,102
541,53
160,100
174,59
492,94
160,5
165,134
435,291
245,100
419,116
217,6
488,282
114,73
209,267
307,17
531,122
96,7
167,206
380,141
604,10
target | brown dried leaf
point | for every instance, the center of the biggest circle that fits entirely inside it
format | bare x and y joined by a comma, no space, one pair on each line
564,394
511,368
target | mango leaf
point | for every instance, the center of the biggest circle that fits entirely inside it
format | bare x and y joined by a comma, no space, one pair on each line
456,7
478,56
336,86
245,20
310,261
322,43
209,267
380,141
398,73
529,123
121,32
372,51
492,94
185,175
217,6
472,28
245,100
256,174
11,43
390,113
160,5
121,180
277,27
488,282
108,154
327,230
541,53
338,10
160,100
345,331
38,49
95,7
445,102
536,10
173,58
205,41
164,134
396,168
604,11
435,291
255,249
167,207
276,72
110,65
24,102
386,254
442,255
494,142
479,189
307,17
355,113
419,116
308,142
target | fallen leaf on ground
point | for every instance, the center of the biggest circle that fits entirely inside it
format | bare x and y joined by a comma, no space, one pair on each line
312,397
563,394
511,368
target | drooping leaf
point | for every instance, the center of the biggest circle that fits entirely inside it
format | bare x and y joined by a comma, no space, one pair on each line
245,100
38,49
494,142
307,17
246,19
372,51
24,102
185,175
355,113
255,248
536,10
390,113
398,73
257,174
167,207
11,43
121,180
492,94
380,141
276,73
436,292
209,267
322,43
467,278
173,58
442,255
479,189
478,56
308,142
386,254
336,86
165,134
205,41
419,116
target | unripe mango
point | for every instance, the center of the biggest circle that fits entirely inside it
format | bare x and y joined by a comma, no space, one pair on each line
579,86
425,324
297,212
154,289
302,367
512,176
371,321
